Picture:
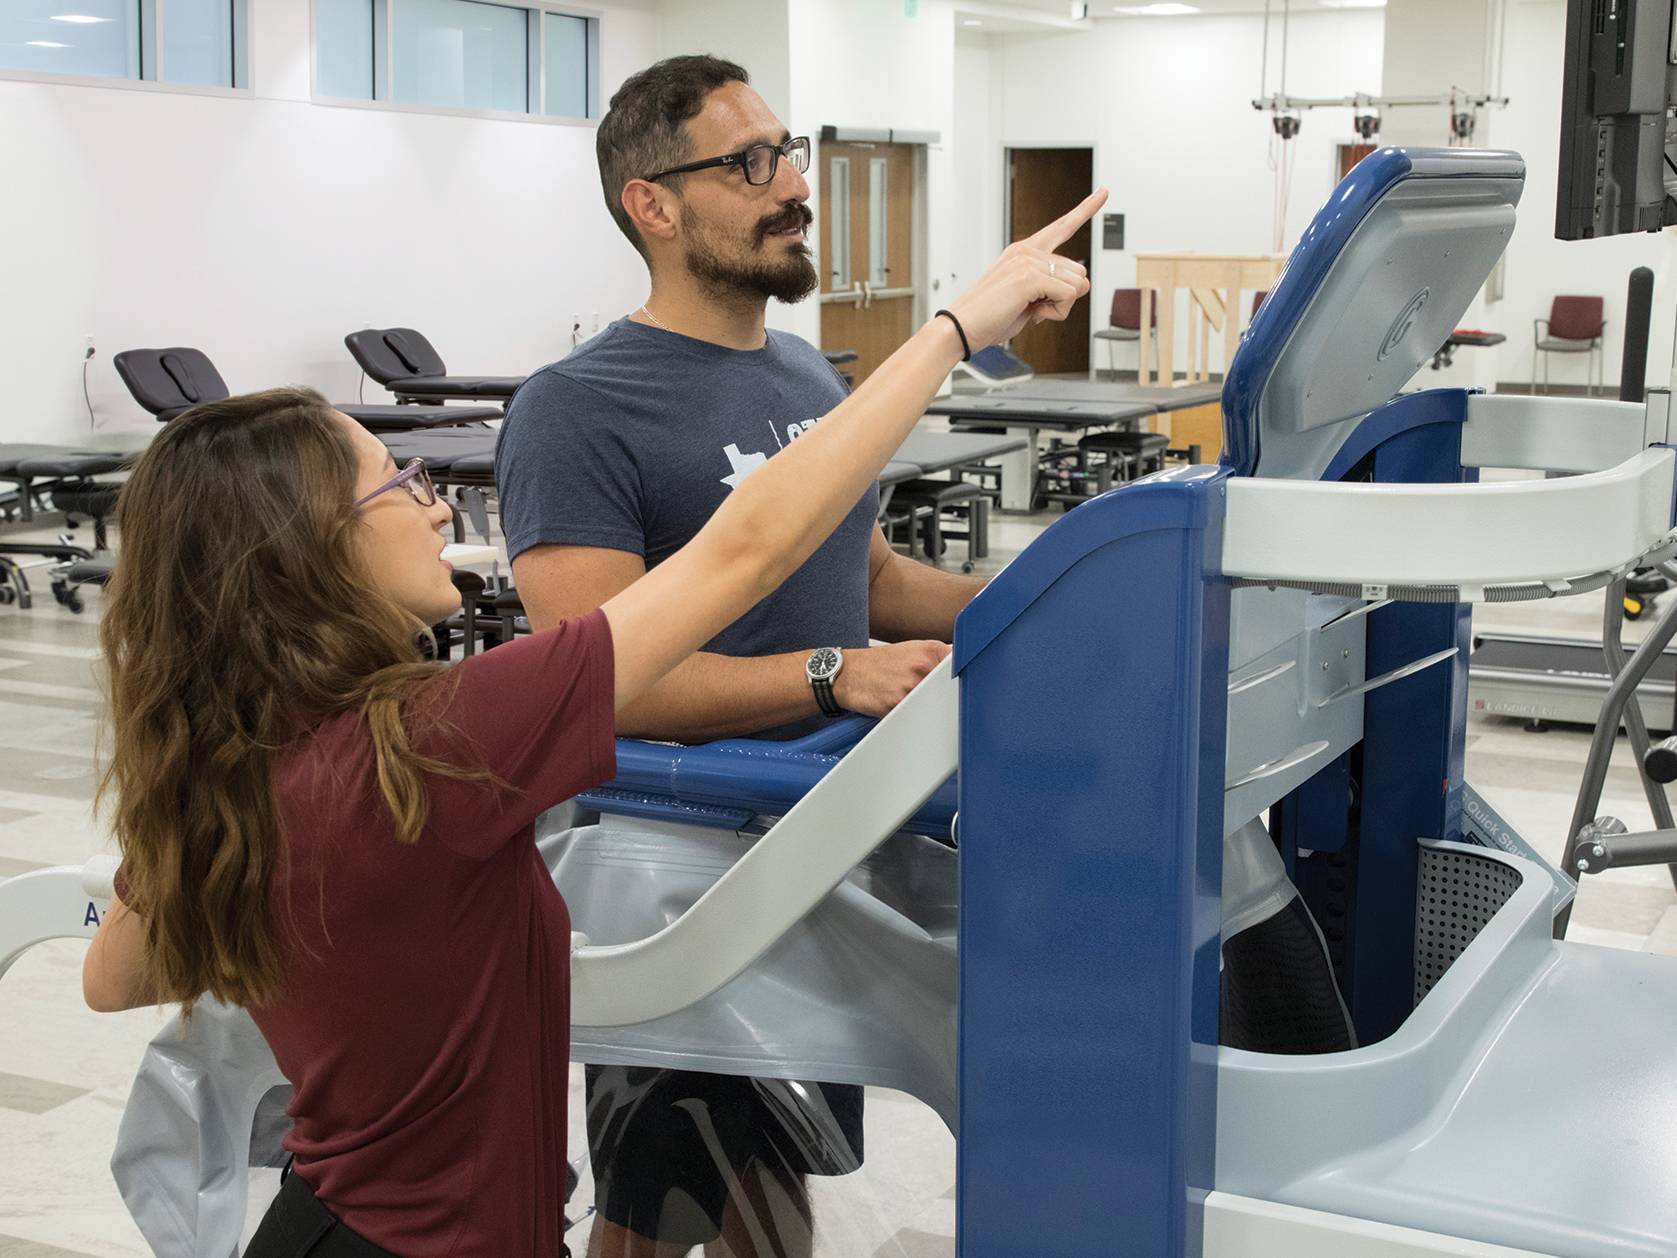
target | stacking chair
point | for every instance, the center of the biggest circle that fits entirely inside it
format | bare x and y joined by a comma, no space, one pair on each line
1126,323
1574,326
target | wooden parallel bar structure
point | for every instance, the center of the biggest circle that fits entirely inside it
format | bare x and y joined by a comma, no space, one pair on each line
1216,301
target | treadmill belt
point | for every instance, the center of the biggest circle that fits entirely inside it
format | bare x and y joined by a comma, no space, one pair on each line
1581,659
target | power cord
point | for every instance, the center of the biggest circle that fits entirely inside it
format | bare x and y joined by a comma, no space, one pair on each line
87,396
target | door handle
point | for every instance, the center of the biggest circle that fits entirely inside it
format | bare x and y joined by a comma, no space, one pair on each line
867,294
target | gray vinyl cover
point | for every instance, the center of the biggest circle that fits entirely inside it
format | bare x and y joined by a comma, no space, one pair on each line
862,990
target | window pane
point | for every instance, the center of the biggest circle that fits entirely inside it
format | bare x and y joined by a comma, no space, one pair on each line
838,197
567,65
879,266
461,54
95,37
198,42
344,48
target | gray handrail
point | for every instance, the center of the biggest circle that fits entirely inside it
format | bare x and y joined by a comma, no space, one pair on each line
1613,651
1623,686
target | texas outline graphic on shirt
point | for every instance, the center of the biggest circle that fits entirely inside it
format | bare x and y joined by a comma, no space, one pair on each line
743,463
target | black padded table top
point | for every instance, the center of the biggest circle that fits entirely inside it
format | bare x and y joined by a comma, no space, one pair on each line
477,464
940,451
408,418
1464,336
456,386
441,448
31,459
1000,409
72,463
899,470
14,452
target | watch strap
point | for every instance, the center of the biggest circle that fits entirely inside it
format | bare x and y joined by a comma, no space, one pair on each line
823,688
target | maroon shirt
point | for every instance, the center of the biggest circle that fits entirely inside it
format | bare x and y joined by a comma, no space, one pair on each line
426,1020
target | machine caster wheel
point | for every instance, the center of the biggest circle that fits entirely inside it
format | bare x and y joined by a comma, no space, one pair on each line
1634,607
67,597
7,596
967,566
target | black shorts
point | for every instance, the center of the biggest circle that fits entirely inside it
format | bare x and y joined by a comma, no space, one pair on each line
665,1143
297,1225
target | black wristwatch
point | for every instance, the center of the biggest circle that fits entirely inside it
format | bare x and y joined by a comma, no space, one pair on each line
822,668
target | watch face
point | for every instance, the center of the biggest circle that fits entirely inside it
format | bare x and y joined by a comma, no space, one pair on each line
823,664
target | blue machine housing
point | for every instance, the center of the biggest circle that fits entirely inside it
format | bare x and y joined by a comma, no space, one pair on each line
1093,745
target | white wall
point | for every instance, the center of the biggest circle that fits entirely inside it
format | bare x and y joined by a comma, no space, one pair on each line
750,32
1433,46
873,66
263,229
1166,104
975,228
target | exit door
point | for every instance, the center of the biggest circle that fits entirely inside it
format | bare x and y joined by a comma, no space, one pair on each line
866,209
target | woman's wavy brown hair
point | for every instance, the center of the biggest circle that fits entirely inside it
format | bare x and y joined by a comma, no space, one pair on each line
238,616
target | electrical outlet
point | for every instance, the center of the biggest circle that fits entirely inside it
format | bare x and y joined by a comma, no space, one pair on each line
596,322
88,349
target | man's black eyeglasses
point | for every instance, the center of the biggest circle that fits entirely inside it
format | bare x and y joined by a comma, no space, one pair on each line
759,161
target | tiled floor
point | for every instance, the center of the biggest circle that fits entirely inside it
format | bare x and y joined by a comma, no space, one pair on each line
65,1072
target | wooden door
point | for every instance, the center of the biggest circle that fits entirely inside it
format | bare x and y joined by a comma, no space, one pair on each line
866,215
1044,184
1350,155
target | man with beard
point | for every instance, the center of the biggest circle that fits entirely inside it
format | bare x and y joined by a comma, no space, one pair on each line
611,460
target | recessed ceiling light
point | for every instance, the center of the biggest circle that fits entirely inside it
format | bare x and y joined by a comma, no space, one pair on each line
46,43
1155,10
82,19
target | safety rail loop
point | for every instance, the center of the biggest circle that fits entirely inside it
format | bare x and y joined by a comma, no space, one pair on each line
862,801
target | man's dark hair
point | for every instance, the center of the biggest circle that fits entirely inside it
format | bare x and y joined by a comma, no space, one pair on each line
645,129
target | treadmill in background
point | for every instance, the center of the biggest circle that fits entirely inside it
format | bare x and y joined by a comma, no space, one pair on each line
1540,678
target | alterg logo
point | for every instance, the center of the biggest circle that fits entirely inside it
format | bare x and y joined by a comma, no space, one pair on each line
1400,327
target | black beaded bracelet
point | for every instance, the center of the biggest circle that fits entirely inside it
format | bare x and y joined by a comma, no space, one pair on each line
966,347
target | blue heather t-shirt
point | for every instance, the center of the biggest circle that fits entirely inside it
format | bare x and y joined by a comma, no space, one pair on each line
634,440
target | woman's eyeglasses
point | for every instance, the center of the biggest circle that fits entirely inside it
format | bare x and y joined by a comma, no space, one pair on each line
413,478
759,161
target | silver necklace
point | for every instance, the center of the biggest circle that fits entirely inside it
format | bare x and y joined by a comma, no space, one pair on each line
653,317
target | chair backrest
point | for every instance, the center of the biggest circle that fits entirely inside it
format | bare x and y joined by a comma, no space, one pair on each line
168,381
388,354
1576,318
1126,309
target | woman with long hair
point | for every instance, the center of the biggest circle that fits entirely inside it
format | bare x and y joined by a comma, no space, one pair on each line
319,826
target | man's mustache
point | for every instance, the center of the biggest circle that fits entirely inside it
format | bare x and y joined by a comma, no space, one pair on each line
795,217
